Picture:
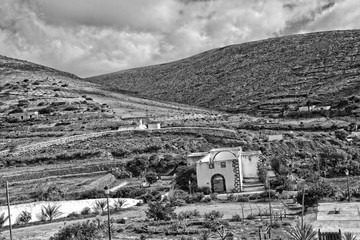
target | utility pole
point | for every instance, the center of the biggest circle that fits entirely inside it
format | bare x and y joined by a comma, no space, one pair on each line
8,205
107,193
269,209
302,208
348,186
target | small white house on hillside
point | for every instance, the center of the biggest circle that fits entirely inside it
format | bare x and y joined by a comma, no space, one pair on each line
224,169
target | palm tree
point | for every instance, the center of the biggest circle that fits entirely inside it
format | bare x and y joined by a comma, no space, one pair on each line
349,236
50,212
100,204
305,232
3,219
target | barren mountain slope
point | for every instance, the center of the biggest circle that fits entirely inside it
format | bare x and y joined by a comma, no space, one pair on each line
263,76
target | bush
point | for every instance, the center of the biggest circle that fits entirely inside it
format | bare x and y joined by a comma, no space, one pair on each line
188,214
205,190
242,199
250,217
73,214
151,177
85,211
213,215
160,211
341,134
50,212
89,230
138,165
24,217
314,194
120,174
194,198
119,203
100,204
46,110
236,218
185,174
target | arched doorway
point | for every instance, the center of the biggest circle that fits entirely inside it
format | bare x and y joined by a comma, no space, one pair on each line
218,183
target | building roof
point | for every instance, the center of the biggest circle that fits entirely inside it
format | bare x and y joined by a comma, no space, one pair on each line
197,154
224,155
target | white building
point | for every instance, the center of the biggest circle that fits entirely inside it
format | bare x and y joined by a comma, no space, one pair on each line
225,169
275,137
153,126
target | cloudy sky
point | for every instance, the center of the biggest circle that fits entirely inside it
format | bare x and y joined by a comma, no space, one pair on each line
91,37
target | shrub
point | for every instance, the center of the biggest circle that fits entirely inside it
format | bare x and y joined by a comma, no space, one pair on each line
3,219
119,203
314,194
89,230
185,174
262,172
175,202
120,174
160,211
100,205
70,108
236,218
188,214
151,177
242,199
73,214
85,211
24,217
341,134
213,215
205,190
194,198
50,212
138,165
231,197
305,232
152,195
250,217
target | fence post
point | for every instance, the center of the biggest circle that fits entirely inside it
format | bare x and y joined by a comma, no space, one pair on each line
319,234
340,234
260,233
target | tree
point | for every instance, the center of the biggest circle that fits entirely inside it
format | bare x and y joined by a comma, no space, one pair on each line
160,211
138,165
185,174
151,177
314,194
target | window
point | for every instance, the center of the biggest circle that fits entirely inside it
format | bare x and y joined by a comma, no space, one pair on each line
223,164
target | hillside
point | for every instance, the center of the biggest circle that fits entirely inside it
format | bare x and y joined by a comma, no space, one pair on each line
256,77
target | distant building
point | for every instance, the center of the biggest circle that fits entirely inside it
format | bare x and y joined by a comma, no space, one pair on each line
352,136
225,169
306,108
192,158
25,115
314,108
276,137
153,126
141,125
321,108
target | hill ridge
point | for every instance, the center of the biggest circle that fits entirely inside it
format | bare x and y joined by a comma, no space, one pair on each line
262,75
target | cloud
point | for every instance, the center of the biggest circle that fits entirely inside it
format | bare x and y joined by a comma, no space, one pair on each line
89,37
